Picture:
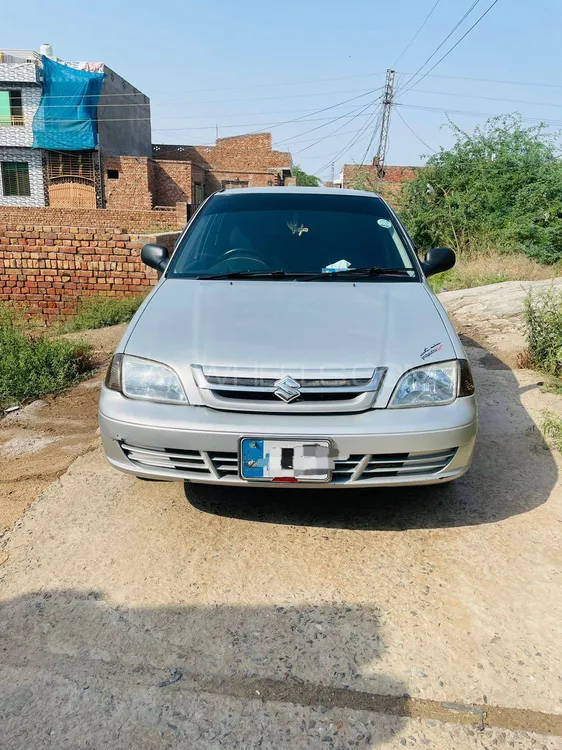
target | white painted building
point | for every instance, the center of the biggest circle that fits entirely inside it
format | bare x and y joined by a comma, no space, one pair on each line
21,167
54,175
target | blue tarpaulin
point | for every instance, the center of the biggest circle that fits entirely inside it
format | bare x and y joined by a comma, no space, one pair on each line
66,118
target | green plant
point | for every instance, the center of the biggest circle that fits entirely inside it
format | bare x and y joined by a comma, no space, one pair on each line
456,279
304,179
543,323
31,367
99,312
497,187
552,428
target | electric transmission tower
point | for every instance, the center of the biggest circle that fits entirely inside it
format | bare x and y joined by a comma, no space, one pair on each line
379,160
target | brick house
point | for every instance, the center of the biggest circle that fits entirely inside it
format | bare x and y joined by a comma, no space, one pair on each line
238,161
188,174
366,176
60,176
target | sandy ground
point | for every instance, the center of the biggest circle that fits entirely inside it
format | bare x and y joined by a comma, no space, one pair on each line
493,314
149,615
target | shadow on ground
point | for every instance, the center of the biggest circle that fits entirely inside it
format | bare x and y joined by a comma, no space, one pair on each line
77,672
513,472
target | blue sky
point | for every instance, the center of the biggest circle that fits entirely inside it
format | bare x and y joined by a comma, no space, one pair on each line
247,65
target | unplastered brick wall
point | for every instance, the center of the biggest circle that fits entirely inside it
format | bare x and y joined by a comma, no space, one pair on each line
126,181
218,177
366,176
171,181
47,270
131,221
245,158
244,152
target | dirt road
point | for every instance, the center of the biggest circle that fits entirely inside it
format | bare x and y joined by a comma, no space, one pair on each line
142,615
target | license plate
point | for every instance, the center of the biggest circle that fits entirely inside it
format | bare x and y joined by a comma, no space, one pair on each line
272,460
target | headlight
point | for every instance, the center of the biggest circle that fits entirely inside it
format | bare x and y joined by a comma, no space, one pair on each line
430,385
144,379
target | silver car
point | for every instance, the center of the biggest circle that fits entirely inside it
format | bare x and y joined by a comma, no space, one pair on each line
292,339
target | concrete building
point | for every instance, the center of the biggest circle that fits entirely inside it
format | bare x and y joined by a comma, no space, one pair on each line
64,177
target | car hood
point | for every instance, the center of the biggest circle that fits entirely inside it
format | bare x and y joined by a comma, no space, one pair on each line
287,326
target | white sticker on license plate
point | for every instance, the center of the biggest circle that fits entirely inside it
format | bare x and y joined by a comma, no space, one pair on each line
285,460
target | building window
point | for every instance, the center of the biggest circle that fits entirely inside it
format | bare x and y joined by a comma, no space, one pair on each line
15,178
112,174
231,184
11,108
70,164
197,193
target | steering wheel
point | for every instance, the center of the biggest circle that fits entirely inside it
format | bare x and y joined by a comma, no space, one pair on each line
238,254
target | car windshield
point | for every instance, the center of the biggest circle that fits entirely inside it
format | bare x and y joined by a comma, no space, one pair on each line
294,235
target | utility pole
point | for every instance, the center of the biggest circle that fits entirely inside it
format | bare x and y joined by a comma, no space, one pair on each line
379,160
332,175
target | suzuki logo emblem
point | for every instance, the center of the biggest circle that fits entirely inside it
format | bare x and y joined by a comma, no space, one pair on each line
287,389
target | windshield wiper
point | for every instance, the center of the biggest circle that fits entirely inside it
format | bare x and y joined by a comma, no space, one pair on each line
246,275
372,271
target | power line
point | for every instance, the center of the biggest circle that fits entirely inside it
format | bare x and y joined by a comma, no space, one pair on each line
325,109
216,101
458,42
449,35
413,39
371,140
359,134
476,114
285,122
265,125
335,131
311,130
238,88
310,140
493,80
414,133
488,98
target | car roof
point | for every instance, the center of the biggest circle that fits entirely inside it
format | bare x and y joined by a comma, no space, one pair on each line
303,190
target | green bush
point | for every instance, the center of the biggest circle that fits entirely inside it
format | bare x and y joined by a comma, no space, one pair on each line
497,187
32,367
543,319
99,312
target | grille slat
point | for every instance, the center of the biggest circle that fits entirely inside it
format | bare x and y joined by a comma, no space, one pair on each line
191,463
252,390
393,465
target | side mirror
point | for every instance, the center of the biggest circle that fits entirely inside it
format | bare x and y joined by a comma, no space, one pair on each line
155,256
437,260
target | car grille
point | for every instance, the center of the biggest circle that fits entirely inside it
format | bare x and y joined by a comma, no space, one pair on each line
317,391
358,468
191,464
183,462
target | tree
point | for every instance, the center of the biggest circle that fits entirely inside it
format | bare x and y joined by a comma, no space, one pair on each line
304,179
499,186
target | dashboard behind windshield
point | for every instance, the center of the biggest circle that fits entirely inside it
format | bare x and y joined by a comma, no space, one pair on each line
296,233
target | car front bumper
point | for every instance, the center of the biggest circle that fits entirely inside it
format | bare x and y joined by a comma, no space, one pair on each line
379,447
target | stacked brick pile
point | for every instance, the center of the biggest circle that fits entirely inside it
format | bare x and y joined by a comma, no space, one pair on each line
134,221
48,269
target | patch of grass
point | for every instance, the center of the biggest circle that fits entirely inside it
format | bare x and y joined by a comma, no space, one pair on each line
491,267
543,323
553,385
552,428
32,367
99,312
